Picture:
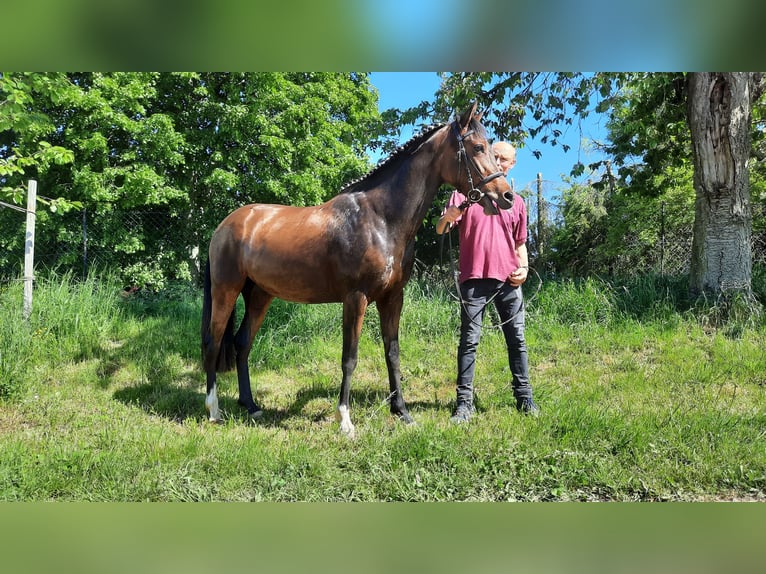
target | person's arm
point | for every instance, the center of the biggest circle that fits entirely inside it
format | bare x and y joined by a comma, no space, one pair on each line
451,214
520,275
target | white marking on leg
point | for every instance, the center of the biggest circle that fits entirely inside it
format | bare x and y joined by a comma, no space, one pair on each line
342,415
211,404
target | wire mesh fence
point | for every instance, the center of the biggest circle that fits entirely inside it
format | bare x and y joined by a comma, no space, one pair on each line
141,247
151,247
661,244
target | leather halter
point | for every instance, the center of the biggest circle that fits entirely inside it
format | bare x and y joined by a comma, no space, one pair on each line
475,194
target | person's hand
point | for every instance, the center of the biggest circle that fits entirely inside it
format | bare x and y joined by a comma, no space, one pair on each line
451,214
518,277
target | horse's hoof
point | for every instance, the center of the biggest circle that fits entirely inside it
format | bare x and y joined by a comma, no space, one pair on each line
253,411
406,418
214,415
256,414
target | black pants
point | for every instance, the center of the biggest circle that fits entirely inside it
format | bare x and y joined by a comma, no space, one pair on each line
509,302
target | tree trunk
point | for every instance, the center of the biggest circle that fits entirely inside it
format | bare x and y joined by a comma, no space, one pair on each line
719,119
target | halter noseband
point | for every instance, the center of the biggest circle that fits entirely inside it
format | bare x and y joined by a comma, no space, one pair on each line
475,194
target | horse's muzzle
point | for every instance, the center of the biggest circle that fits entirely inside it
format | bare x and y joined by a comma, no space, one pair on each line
503,201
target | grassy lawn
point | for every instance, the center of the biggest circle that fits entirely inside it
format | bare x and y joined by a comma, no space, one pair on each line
642,398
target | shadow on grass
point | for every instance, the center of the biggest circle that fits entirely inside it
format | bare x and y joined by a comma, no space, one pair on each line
169,401
179,403
165,350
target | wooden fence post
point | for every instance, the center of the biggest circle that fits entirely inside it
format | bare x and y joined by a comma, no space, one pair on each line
84,243
540,216
29,247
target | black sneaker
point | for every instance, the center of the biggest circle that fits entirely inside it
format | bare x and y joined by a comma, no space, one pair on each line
462,414
528,407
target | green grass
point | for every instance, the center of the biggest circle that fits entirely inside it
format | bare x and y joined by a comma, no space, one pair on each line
645,396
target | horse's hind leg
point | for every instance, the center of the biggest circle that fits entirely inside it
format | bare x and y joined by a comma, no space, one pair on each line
217,345
256,304
217,332
390,310
353,315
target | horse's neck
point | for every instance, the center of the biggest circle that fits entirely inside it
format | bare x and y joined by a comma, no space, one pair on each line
402,192
405,198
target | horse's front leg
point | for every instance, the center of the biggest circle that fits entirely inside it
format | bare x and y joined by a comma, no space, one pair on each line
353,315
256,304
390,311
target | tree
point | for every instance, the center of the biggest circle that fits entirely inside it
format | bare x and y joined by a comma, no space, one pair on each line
576,242
271,137
292,138
720,119
651,210
189,147
25,151
648,134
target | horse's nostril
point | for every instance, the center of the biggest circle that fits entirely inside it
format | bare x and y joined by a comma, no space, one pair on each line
509,196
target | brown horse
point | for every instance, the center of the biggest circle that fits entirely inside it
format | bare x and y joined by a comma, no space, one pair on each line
356,248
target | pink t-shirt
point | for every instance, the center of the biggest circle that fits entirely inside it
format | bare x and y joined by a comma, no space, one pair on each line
488,242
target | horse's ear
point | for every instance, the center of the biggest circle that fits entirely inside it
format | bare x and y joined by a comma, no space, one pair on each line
465,119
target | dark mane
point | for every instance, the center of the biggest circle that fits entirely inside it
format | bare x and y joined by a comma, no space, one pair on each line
411,145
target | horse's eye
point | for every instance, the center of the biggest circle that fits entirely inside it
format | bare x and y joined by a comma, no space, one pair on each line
479,148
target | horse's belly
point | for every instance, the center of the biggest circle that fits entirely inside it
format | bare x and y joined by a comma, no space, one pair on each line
299,281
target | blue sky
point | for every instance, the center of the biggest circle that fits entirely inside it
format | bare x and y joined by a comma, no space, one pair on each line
405,89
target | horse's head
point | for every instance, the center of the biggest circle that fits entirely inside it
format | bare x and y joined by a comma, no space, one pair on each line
479,176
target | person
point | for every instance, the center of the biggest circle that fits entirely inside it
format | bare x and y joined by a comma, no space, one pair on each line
493,265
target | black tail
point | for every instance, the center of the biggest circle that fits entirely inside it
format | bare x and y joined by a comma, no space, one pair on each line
226,359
